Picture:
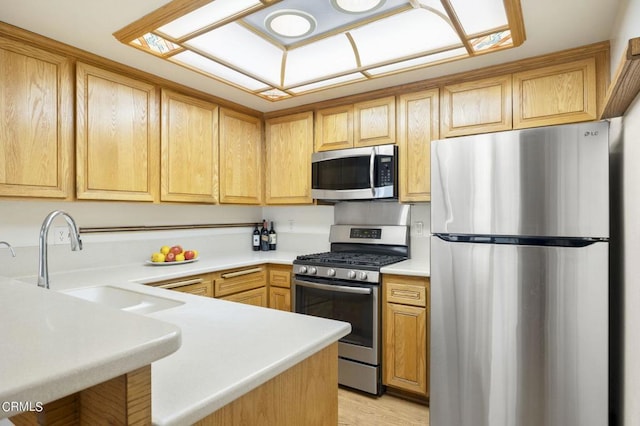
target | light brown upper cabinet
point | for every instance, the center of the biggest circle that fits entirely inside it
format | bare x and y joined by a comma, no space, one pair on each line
375,122
36,129
334,128
189,149
289,145
117,143
240,158
556,94
473,107
362,124
417,126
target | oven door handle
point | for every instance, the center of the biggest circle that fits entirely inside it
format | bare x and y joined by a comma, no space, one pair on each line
335,288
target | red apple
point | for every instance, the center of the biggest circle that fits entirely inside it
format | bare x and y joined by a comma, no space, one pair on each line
170,257
176,249
189,254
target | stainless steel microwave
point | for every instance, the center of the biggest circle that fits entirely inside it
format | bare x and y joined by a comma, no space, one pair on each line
355,173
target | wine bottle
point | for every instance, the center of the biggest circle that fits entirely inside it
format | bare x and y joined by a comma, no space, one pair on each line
264,237
272,238
256,239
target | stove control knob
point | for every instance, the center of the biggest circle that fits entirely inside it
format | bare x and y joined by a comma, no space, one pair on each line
362,276
302,270
331,272
351,275
312,270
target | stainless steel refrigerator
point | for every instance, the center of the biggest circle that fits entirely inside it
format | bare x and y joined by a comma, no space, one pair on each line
519,278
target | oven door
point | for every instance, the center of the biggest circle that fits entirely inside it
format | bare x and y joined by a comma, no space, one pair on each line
355,303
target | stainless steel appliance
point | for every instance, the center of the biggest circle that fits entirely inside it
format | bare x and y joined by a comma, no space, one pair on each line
355,173
344,284
519,278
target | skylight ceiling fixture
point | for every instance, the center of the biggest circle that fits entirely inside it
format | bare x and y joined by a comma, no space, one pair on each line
290,23
356,6
277,49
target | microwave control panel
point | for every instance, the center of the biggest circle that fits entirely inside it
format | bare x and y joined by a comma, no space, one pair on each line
385,171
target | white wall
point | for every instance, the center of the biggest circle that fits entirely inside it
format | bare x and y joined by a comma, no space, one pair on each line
301,229
625,236
625,284
626,26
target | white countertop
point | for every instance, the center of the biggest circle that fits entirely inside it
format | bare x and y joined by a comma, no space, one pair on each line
53,345
416,267
227,348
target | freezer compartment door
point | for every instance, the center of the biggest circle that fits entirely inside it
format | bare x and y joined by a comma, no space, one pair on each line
519,335
549,181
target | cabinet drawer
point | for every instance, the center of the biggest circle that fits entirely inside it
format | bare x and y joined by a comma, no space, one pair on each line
407,294
201,285
237,280
280,276
406,290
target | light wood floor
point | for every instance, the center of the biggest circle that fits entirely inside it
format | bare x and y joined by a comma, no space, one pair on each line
358,409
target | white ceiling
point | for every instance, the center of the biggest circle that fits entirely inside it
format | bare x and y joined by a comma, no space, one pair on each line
550,25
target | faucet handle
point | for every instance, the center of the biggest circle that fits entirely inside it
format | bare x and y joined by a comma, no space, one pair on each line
4,243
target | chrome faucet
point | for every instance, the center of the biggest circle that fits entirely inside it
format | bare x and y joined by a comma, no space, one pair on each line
43,262
4,243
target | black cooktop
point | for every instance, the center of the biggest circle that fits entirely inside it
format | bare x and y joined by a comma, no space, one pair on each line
349,259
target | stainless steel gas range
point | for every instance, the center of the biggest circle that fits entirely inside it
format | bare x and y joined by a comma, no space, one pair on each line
344,283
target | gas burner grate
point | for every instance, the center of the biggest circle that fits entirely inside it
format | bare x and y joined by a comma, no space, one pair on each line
352,258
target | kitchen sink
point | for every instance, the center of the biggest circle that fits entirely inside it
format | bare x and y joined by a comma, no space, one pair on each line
126,300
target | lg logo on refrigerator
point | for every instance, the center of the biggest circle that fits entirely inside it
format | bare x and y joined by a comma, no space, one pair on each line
591,133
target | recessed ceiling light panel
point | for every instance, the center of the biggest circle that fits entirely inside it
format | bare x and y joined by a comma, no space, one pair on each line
290,23
356,6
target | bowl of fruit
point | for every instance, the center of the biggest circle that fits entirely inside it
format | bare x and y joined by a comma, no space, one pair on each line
172,255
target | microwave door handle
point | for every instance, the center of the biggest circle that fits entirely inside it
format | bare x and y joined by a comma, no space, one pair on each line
372,164
335,288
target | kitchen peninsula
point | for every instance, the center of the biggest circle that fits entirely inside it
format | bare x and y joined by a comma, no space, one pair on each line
232,355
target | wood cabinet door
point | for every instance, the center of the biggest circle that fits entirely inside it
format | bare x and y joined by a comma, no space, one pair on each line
289,145
418,125
117,144
189,149
473,107
240,158
36,129
255,297
334,128
280,298
405,333
405,348
557,94
375,122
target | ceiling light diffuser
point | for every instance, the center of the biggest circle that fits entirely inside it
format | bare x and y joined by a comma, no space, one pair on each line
356,6
279,49
290,23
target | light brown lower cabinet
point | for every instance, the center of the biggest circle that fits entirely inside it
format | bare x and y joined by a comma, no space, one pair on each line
405,335
255,297
201,285
280,287
261,285
244,285
123,400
